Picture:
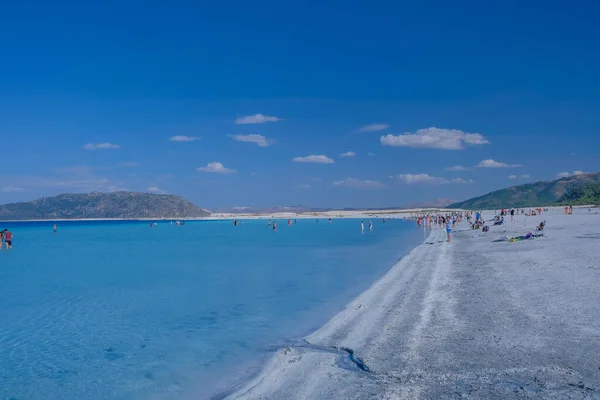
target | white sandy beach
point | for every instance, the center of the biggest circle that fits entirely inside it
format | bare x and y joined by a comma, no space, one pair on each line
467,319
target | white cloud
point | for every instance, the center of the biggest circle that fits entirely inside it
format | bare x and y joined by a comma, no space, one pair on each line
495,164
435,138
373,128
240,208
525,176
425,178
101,146
184,138
370,154
419,178
256,119
348,154
512,177
217,168
359,183
317,159
304,186
154,189
568,174
460,181
260,140
129,164
457,168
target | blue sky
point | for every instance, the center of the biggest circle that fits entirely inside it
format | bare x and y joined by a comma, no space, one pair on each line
265,97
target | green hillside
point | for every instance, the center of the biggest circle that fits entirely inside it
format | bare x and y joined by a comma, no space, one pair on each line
588,193
103,205
542,193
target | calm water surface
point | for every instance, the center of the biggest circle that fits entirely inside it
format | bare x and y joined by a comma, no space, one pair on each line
116,310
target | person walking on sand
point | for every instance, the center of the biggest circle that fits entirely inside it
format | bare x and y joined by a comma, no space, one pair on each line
8,239
448,229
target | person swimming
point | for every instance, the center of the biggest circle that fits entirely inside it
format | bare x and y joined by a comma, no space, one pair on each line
8,236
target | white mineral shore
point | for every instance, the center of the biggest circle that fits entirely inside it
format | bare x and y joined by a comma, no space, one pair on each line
468,319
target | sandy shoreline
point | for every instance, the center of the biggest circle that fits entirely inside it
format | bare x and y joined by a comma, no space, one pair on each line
473,318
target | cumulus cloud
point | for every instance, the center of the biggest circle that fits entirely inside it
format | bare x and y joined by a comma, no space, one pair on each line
316,159
359,183
495,164
217,168
184,138
457,168
435,138
259,140
568,174
348,154
419,178
460,181
425,178
512,177
257,119
101,146
373,128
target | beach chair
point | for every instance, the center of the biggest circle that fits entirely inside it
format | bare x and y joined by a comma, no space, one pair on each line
541,226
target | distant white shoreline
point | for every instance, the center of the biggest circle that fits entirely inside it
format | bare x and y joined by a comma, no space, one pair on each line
391,213
227,216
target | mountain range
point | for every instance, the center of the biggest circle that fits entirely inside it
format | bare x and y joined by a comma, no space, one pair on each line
543,193
126,205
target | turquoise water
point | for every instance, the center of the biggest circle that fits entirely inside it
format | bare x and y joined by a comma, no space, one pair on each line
113,310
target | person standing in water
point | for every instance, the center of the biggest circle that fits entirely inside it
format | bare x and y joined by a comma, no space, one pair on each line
54,228
362,226
370,225
8,239
449,229
274,225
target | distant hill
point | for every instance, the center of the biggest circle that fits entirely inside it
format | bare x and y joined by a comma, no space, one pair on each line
542,193
103,205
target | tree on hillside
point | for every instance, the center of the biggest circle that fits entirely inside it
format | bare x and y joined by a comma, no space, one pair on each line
586,194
